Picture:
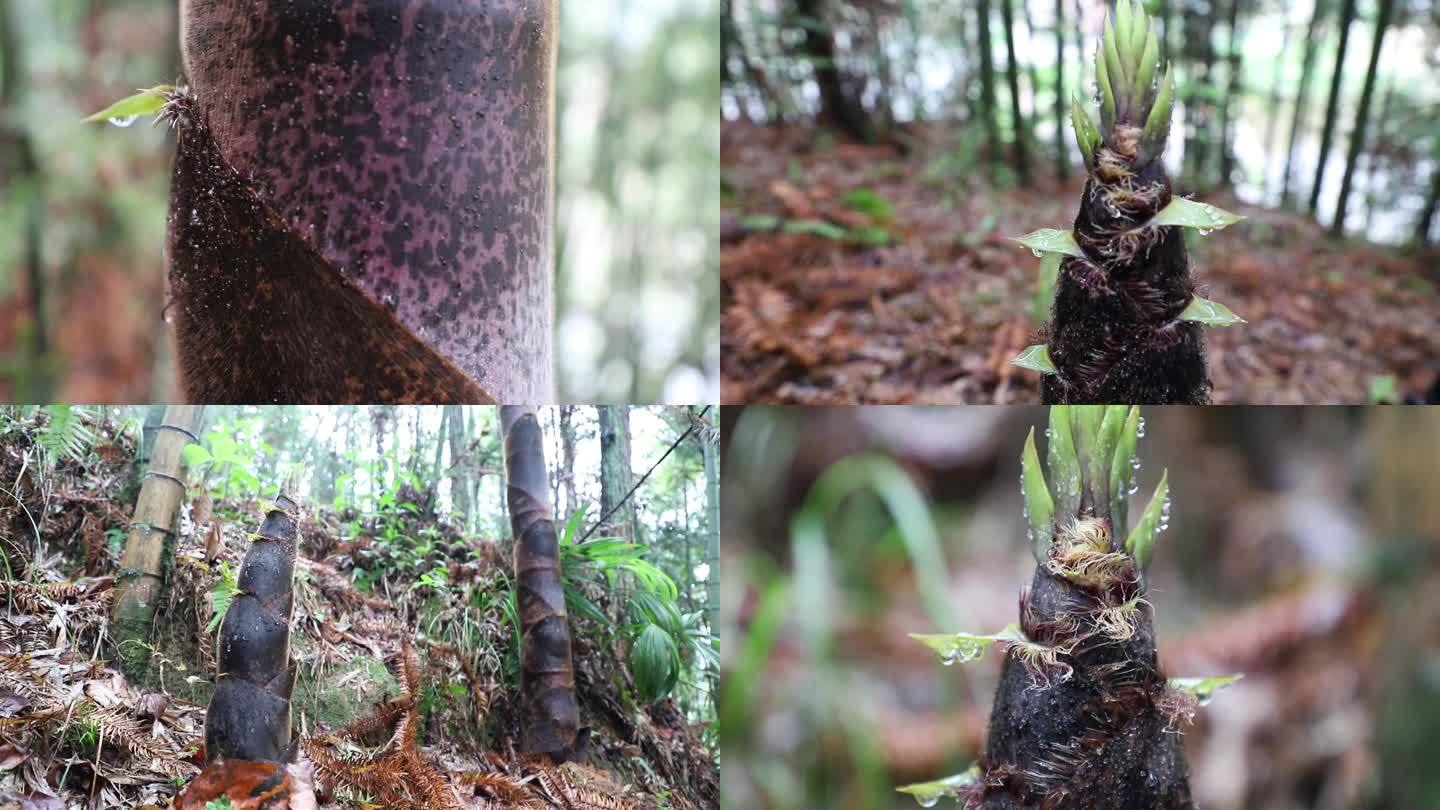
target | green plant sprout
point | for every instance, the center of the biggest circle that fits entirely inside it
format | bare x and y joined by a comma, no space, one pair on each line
1084,716
1125,319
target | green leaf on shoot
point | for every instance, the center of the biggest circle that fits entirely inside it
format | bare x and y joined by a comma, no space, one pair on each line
1141,542
1202,689
1045,290
145,102
929,793
1122,470
1062,463
958,648
1209,313
1191,214
1036,358
1039,506
1051,240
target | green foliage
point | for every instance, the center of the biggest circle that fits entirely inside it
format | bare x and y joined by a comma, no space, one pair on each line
1203,689
928,794
222,454
1155,519
1051,240
222,803
1035,358
221,594
1384,390
1191,214
1209,313
66,434
862,235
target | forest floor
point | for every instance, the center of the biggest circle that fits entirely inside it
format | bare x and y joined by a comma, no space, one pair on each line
854,273
76,731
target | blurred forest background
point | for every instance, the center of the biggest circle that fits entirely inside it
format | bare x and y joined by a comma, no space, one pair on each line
82,206
878,157
1303,551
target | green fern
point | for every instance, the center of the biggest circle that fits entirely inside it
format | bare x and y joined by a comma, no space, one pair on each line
221,593
66,433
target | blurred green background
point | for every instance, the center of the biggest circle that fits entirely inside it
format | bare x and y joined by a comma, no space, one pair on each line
1304,552
82,206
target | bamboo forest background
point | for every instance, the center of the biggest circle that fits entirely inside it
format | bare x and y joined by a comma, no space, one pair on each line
82,206
1265,88
879,158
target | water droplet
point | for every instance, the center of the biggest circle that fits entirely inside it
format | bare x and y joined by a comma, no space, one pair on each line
927,800
1140,431
123,121
1205,231
1037,252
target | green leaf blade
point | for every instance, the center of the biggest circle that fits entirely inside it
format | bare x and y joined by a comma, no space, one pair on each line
145,102
1039,506
1209,313
1051,240
1155,519
1036,358
1203,689
1191,214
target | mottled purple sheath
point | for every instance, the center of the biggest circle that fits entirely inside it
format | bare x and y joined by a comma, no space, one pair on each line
409,143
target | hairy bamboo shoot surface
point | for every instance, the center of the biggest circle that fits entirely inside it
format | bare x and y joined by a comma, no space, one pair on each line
550,715
361,202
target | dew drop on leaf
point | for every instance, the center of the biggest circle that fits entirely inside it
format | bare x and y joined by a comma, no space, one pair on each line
124,121
927,800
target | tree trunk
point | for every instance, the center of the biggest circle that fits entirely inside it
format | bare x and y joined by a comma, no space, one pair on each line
1233,60
1302,91
710,455
1347,16
549,714
616,476
152,530
1062,155
1357,134
459,472
1427,213
567,455
987,76
1272,122
1012,74
837,106
361,201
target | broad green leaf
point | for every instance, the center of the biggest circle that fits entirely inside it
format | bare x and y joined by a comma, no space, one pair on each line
194,455
1122,470
145,102
957,648
1141,542
1209,313
1202,689
1039,506
1191,214
1051,240
1036,358
927,794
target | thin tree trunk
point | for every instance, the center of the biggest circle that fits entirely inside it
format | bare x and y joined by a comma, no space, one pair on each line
309,230
1302,92
567,449
549,713
1234,60
143,563
1273,121
1347,16
1012,71
1357,133
710,455
459,472
987,76
1432,203
616,475
1062,154
818,44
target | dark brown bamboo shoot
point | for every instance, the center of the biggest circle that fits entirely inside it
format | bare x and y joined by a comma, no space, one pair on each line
142,563
249,714
549,714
